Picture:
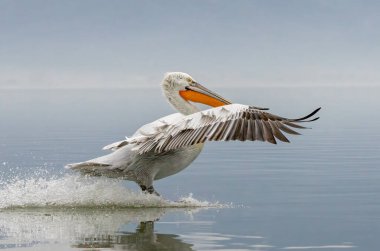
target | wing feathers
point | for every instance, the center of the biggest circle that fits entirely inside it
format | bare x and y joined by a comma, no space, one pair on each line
268,134
258,130
249,130
276,132
230,122
238,129
308,116
293,125
286,129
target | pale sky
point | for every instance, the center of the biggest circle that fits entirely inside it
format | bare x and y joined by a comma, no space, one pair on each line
110,43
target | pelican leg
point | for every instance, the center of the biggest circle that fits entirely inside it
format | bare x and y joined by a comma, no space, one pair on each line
152,191
149,190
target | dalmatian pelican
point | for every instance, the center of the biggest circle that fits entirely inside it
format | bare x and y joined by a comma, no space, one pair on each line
168,145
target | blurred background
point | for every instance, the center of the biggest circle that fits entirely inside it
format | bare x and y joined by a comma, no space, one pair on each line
121,44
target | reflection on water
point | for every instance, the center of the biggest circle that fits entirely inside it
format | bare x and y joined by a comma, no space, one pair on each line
123,229
86,228
143,238
111,229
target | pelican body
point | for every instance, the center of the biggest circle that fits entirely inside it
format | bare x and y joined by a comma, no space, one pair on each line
168,145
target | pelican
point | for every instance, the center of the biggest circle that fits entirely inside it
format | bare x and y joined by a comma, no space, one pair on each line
168,145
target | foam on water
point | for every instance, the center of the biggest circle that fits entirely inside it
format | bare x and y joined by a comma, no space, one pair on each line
79,191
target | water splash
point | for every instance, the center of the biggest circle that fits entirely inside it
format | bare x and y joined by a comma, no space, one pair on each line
80,191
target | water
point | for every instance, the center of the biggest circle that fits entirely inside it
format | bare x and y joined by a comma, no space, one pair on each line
322,191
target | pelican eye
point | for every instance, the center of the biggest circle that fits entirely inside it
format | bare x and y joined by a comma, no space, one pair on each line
190,80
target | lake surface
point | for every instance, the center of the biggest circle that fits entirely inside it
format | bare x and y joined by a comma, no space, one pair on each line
322,191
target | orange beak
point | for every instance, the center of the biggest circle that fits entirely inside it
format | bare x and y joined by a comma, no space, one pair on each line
200,94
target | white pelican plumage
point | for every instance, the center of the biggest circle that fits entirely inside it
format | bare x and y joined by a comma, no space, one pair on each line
169,144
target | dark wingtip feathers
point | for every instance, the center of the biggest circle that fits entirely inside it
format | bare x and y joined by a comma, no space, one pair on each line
304,119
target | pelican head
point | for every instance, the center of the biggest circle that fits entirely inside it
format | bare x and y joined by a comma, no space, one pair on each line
180,88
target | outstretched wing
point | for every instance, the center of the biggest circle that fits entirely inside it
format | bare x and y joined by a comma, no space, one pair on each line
229,122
